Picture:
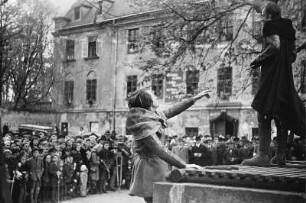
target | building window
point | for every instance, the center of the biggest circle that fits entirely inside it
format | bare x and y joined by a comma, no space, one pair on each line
77,13
68,93
131,84
159,39
91,88
70,50
224,88
255,81
157,85
191,132
192,81
92,46
226,28
133,40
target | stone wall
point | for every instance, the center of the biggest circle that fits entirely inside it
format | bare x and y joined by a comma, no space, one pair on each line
16,118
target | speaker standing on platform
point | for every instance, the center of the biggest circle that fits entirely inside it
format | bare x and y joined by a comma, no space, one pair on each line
147,126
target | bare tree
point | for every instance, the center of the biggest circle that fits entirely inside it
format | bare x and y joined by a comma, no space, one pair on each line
31,69
8,30
190,32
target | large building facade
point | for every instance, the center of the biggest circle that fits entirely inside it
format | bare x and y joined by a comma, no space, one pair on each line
97,64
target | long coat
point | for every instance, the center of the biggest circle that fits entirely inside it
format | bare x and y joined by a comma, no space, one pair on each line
54,178
149,165
94,167
107,158
277,96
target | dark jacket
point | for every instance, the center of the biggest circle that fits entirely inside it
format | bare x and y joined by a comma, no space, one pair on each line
54,178
204,157
36,168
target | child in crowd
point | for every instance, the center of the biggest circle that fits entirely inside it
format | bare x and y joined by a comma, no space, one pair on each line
83,180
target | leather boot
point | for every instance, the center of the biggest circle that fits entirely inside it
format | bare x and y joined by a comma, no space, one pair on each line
280,155
262,159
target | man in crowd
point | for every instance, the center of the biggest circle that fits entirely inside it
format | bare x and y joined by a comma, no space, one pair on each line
181,151
199,154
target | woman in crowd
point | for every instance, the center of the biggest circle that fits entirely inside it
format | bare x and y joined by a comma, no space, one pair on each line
147,125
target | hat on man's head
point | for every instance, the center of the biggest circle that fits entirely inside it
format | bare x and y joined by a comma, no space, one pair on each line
221,138
198,138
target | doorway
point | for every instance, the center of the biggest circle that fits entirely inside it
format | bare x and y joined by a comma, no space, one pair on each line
224,125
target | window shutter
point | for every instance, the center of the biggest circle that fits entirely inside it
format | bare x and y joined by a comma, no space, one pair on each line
62,47
98,46
84,48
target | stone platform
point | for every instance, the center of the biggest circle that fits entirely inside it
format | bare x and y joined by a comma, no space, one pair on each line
234,183
287,178
168,192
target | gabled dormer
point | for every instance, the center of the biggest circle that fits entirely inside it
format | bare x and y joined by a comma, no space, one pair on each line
80,11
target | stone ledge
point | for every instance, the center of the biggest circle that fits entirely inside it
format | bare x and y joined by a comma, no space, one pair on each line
165,192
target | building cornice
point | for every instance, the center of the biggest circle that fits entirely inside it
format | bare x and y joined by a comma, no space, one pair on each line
113,21
194,108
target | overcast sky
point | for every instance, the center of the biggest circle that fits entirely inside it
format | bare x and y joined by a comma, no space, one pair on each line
62,5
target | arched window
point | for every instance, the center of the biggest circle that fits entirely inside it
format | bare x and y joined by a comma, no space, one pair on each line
68,90
91,87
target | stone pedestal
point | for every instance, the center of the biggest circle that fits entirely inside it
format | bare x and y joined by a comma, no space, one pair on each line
167,192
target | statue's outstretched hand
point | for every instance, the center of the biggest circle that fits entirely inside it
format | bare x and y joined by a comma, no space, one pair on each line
202,94
194,166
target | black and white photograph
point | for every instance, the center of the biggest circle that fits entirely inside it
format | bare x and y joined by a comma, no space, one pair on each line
152,101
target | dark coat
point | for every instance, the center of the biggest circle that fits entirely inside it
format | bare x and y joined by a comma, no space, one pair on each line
107,158
205,157
68,173
277,96
53,169
46,174
94,167
36,168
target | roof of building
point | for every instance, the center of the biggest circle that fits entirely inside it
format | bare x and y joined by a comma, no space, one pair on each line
116,9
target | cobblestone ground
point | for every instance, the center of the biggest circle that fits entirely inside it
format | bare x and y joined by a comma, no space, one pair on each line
111,197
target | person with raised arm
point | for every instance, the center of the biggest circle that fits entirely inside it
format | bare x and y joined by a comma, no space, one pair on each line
147,125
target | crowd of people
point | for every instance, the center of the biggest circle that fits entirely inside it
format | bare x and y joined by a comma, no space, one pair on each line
220,150
51,168
48,168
